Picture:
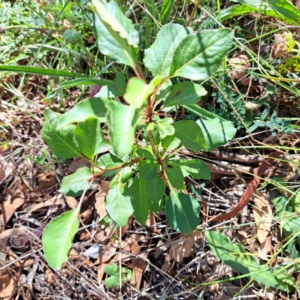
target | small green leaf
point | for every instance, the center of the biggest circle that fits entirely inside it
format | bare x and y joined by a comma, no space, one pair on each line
239,260
159,56
140,201
122,122
74,184
85,82
197,168
60,141
155,189
72,36
200,54
88,137
170,143
190,134
182,212
185,93
144,153
109,160
58,236
118,204
287,9
216,132
148,169
164,127
137,92
175,177
92,107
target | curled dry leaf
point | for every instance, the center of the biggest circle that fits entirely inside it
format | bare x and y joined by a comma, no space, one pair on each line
240,63
280,47
100,199
139,266
263,217
6,284
46,181
265,248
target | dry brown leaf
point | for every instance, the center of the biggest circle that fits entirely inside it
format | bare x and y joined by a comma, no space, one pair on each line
240,63
5,169
77,164
100,199
6,284
71,202
265,248
101,272
10,207
139,266
46,181
280,47
263,217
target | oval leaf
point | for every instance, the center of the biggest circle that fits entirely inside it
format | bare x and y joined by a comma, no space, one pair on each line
200,54
58,237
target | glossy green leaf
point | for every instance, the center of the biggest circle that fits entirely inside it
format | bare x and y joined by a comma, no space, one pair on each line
39,71
88,137
158,57
175,177
122,122
58,236
155,189
200,54
199,111
190,134
60,141
141,201
148,169
166,11
196,168
164,127
92,107
240,261
170,143
185,93
182,212
216,132
118,204
74,184
115,33
137,92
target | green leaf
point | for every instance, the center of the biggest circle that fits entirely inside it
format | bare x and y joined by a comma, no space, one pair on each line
148,169
60,141
199,111
116,36
200,54
170,143
182,212
185,93
190,134
92,107
164,127
85,81
158,57
137,92
140,201
287,9
239,260
58,236
88,137
155,189
216,132
166,11
122,122
74,184
144,153
197,168
72,36
114,279
109,160
118,204
39,71
175,177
